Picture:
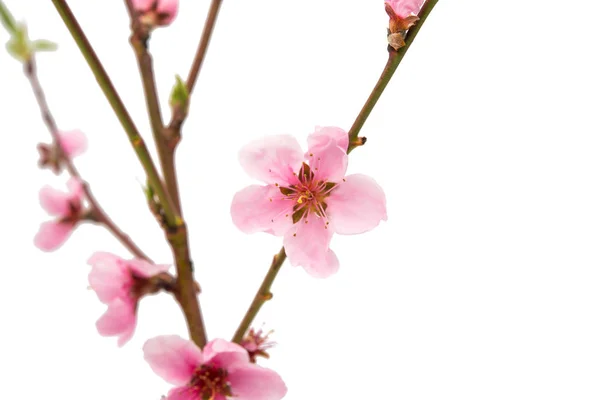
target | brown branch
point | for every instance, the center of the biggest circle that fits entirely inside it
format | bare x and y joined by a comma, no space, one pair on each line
262,296
209,26
172,217
173,131
98,213
177,236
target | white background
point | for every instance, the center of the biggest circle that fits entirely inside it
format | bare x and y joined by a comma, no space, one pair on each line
483,284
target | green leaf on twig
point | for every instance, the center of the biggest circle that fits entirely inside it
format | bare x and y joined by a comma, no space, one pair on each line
43,45
7,19
19,46
179,95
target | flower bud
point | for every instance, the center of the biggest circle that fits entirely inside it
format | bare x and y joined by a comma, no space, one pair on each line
153,13
403,15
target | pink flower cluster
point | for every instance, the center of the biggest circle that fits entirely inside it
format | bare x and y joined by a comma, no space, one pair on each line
66,207
307,197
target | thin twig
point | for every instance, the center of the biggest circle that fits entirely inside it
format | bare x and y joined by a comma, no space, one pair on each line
394,59
99,214
262,296
172,217
209,26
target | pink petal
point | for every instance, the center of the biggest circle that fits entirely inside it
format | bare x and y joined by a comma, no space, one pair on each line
404,8
73,143
356,205
54,201
172,358
169,9
142,5
118,320
52,235
307,242
144,269
322,136
274,159
327,159
183,393
76,190
325,268
224,354
108,276
260,209
252,382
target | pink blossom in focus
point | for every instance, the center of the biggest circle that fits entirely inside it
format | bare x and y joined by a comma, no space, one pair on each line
307,197
222,370
66,207
156,12
405,8
118,283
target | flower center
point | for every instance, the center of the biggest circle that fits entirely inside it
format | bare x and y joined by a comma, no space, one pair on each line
210,381
74,214
308,195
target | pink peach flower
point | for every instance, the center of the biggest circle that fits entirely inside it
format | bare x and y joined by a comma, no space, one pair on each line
307,197
117,283
405,8
157,12
220,371
73,144
67,207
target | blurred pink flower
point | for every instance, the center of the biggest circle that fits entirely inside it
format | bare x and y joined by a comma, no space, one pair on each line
306,202
405,8
73,144
119,284
221,371
157,12
67,207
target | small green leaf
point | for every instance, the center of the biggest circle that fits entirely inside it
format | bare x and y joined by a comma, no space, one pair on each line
43,45
179,95
19,45
7,19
